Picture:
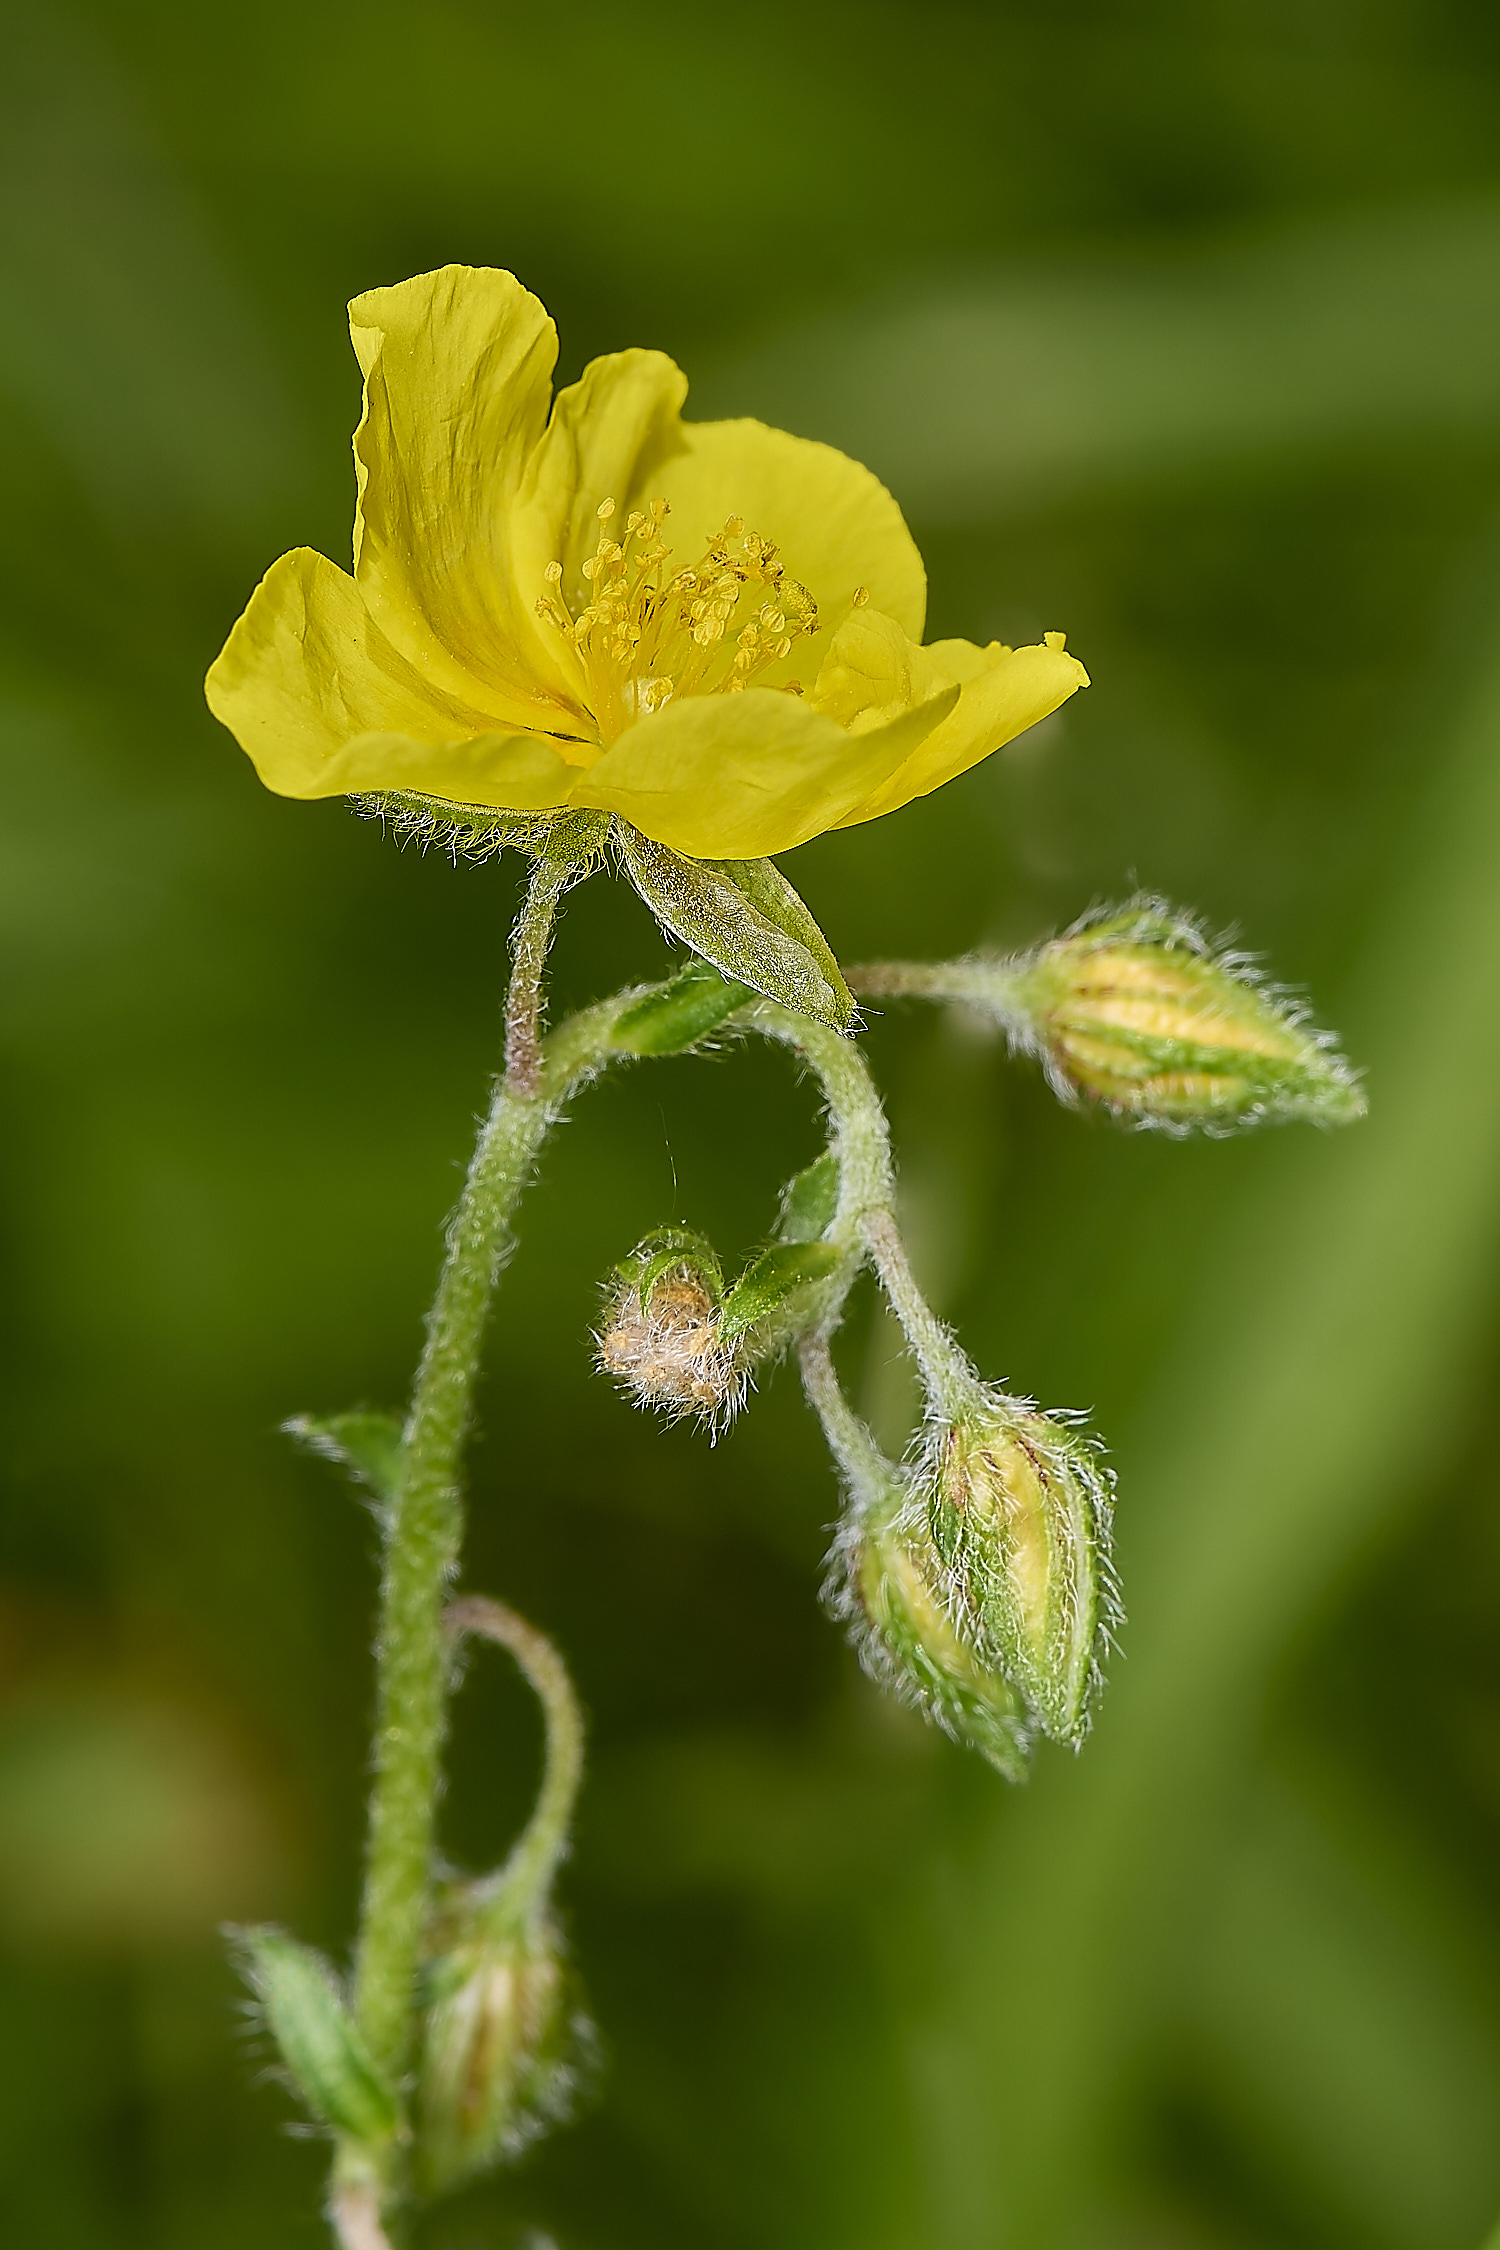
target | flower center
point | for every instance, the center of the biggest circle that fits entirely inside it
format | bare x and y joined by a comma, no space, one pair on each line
648,633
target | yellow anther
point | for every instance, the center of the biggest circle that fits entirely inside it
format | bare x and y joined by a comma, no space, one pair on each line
861,596
605,510
553,573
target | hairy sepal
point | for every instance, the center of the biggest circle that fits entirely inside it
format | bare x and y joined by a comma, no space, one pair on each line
744,917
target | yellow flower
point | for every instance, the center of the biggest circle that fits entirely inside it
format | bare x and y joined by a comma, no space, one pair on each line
709,629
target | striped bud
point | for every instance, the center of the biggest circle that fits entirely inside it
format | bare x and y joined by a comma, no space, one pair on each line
1137,1010
1019,1507
885,1584
499,2052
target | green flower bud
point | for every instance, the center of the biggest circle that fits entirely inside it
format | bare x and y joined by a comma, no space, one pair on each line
885,1583
1019,1510
319,2041
1136,1009
501,2047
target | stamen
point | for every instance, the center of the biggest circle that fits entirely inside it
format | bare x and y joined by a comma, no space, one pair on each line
645,637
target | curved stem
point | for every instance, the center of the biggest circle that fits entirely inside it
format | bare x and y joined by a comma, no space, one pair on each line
867,1194
527,1873
873,1481
530,942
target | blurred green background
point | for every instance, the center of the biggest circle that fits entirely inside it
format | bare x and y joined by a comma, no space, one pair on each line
1177,326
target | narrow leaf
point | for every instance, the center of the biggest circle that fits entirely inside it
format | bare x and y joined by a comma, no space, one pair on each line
319,2041
775,1276
369,1446
809,1201
681,1013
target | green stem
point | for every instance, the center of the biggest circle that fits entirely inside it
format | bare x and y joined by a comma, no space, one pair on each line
874,1482
987,982
426,1521
425,1526
526,1876
530,941
867,1195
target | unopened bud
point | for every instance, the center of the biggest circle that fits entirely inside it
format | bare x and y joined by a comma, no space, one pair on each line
1137,1010
885,1582
499,2052
1019,1509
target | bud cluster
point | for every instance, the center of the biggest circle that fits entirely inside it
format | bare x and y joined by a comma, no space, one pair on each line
978,1588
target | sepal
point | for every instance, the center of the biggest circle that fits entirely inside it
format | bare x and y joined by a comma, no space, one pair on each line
768,1285
885,1583
744,917
480,832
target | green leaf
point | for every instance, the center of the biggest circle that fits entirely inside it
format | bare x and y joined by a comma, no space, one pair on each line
776,1275
370,1446
681,1013
809,1201
319,2040
744,917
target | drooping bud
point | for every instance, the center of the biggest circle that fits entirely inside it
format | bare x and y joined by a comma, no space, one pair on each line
319,2041
885,1583
1136,1009
660,1336
1019,1510
501,2050
677,1339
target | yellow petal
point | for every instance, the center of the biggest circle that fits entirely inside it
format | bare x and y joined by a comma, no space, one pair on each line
873,671
608,431
743,776
1003,691
458,370
323,703
836,525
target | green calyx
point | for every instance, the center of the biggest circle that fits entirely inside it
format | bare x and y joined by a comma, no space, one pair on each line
1138,1011
1019,1509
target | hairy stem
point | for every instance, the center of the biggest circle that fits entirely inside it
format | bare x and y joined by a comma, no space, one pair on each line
987,981
873,1481
527,1874
424,1533
530,942
867,1194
